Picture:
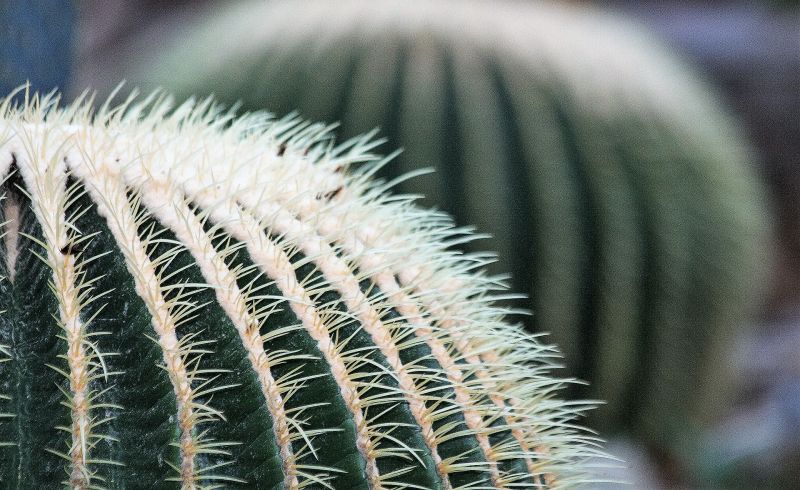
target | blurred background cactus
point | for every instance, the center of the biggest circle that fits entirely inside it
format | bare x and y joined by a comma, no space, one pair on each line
612,184
641,204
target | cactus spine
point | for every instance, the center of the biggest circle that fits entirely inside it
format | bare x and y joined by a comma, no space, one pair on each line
195,300
613,185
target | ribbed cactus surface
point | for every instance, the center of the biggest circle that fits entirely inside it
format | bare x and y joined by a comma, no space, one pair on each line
193,300
613,185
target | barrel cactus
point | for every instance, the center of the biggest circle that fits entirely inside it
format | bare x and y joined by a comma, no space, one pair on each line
195,300
613,185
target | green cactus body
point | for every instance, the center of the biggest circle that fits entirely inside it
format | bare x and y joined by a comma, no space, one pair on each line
199,301
612,184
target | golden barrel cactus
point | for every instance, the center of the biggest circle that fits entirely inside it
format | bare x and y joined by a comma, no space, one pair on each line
196,300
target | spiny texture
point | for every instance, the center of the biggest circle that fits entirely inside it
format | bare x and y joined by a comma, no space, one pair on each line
195,300
613,185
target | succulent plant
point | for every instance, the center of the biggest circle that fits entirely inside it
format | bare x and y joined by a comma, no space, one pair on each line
196,300
613,184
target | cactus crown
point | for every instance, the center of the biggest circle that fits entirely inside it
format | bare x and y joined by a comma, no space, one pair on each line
197,300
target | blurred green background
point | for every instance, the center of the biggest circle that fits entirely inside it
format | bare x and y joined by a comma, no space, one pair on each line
635,163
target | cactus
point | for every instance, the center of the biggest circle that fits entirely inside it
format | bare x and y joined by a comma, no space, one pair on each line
196,300
613,184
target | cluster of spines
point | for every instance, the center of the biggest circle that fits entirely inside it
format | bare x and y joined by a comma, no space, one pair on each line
84,369
258,222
